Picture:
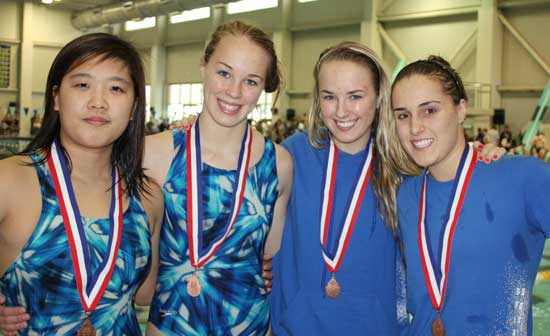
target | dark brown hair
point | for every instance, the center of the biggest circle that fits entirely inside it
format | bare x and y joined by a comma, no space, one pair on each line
127,151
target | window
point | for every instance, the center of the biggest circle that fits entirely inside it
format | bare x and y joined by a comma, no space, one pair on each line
141,24
250,5
263,108
191,15
5,61
184,100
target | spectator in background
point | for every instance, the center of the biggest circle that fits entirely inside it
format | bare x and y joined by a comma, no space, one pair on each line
493,136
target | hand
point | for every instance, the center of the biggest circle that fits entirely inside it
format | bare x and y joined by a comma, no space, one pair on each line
12,319
267,271
488,152
184,124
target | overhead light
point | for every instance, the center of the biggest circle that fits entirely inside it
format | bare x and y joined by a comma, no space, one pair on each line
47,2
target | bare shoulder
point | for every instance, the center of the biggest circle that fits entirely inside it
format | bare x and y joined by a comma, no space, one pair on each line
159,151
19,183
153,202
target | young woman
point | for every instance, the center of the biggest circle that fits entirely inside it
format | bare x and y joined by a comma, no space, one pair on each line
76,210
336,271
471,242
215,232
225,187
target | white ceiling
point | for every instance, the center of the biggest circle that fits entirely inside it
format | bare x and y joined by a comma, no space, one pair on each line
78,5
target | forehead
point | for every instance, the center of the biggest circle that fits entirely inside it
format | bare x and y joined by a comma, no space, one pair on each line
240,51
345,73
100,64
417,88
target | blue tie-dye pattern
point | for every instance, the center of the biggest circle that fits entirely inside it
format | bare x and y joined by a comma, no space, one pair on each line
233,299
42,277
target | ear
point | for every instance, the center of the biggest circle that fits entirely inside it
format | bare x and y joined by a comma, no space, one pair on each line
55,95
461,110
202,68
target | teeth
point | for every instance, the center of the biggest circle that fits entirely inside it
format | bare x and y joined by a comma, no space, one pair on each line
346,123
229,107
422,143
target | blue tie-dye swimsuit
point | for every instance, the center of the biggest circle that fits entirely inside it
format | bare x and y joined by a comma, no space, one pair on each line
42,277
233,300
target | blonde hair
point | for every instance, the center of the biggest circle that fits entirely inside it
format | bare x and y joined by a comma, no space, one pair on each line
386,178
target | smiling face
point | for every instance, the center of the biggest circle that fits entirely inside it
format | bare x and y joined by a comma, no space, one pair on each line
234,78
348,103
429,124
94,102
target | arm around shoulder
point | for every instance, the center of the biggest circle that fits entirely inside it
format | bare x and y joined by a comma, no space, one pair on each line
285,171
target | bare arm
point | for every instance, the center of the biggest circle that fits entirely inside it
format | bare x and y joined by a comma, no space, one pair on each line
154,206
285,173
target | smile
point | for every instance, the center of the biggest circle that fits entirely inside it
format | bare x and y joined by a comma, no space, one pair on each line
345,123
227,107
419,144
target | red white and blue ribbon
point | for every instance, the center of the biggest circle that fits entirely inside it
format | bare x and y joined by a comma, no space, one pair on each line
200,255
436,283
90,285
333,257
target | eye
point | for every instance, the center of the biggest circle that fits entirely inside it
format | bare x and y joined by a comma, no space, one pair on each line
251,82
328,97
223,73
118,89
401,115
430,110
355,97
81,85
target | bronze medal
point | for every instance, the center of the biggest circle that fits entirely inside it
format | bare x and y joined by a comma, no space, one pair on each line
332,289
193,286
438,329
87,328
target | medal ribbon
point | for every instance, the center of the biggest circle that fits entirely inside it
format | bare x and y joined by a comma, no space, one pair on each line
91,286
198,254
335,257
437,290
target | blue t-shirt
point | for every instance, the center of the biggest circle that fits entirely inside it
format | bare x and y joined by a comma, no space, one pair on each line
367,276
496,251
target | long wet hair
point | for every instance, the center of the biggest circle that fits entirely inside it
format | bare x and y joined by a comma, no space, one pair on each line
127,153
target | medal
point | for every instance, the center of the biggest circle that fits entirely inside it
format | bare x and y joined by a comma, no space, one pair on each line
332,289
193,286
438,329
198,254
436,285
91,286
87,328
334,257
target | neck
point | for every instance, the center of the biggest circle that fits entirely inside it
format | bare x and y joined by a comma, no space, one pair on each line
89,163
446,169
215,136
354,147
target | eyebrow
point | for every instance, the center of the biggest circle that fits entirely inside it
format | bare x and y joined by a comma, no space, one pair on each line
349,92
87,75
400,109
230,67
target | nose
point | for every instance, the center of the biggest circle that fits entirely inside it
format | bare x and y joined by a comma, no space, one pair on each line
97,99
234,89
417,126
341,110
